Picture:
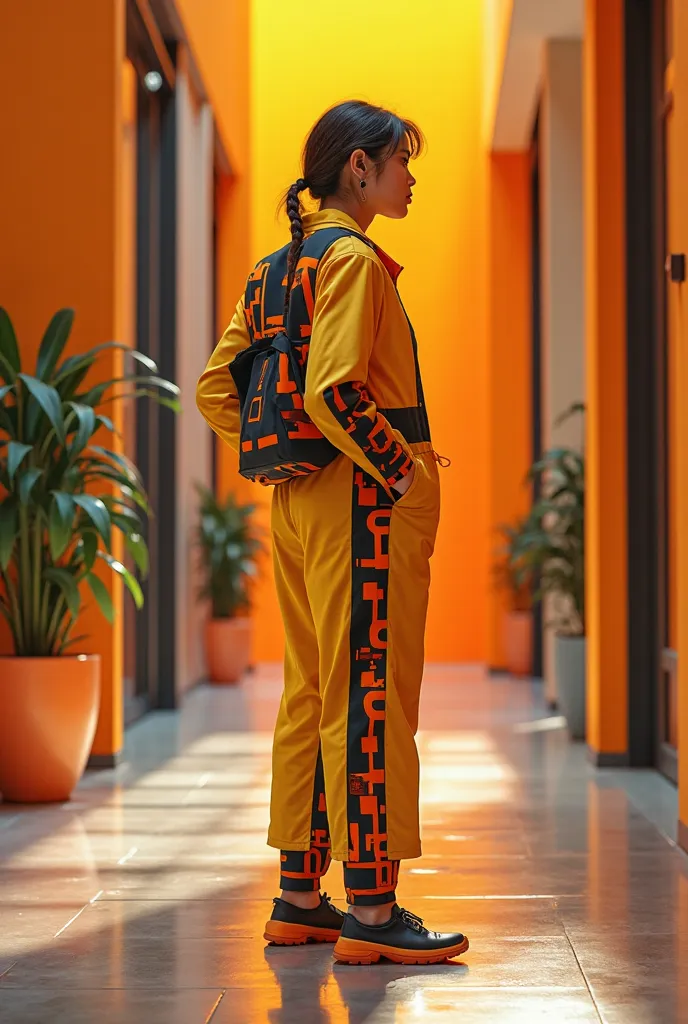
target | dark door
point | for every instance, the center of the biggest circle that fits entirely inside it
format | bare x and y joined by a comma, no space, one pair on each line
149,643
667,690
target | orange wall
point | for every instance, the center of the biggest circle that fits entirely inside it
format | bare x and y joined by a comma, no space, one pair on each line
606,514
510,364
60,211
218,35
429,69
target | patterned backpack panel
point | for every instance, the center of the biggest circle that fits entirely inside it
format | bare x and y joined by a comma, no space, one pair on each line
278,440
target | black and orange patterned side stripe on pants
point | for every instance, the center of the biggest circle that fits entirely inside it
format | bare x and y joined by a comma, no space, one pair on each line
352,574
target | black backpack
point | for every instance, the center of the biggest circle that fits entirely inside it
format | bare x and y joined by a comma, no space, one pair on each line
278,440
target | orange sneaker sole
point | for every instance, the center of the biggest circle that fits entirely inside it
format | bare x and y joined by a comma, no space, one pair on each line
281,933
354,951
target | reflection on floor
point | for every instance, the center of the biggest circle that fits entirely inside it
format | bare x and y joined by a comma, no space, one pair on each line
143,900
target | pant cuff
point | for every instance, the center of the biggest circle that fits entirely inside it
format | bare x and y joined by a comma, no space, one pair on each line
367,899
299,884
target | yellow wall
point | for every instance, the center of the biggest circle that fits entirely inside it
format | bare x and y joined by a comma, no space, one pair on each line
429,69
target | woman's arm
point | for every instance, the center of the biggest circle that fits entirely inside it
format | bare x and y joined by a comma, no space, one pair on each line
216,395
348,305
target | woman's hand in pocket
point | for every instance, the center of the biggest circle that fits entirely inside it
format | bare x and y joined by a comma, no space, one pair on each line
403,485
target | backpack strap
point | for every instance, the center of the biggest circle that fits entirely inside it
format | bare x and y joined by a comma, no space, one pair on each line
264,297
302,299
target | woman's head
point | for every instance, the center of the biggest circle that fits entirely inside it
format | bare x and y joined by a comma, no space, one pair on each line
357,154
356,143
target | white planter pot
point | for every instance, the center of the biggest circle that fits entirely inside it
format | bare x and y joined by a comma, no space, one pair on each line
569,652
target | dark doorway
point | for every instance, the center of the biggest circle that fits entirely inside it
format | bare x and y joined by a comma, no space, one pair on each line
652,657
149,635
666,400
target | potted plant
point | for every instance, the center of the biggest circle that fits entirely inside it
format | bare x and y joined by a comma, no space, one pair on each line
61,497
514,575
229,546
554,541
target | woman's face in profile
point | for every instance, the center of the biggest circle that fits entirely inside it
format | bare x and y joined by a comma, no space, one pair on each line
389,193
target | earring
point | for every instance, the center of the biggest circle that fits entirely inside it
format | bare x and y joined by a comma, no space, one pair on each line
364,197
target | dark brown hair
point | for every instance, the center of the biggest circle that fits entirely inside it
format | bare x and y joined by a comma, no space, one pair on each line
339,132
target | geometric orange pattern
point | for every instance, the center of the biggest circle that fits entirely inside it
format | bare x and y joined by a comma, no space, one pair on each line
370,877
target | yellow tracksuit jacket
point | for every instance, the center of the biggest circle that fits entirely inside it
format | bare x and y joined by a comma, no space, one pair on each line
351,562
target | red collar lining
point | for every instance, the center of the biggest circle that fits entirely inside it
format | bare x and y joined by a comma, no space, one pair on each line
391,266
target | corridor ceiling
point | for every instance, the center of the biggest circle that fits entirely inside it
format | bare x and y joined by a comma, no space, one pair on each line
519,32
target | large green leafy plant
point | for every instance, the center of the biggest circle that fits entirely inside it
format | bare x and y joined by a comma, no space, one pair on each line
552,541
229,546
62,494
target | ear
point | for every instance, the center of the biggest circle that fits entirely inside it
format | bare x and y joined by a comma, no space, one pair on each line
359,162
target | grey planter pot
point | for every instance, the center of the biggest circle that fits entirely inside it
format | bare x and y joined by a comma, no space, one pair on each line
569,653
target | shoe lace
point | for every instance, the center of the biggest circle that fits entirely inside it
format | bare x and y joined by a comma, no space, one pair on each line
412,921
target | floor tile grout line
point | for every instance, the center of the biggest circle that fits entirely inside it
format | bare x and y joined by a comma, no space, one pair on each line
582,971
71,921
215,1007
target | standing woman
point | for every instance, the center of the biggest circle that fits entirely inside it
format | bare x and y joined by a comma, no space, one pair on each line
352,544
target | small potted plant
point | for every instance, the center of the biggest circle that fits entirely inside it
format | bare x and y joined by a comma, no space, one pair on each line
554,541
62,497
229,547
514,575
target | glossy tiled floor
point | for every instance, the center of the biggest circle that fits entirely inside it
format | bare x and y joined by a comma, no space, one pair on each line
143,900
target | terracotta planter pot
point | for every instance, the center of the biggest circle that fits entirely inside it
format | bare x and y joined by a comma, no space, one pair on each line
518,643
228,649
48,715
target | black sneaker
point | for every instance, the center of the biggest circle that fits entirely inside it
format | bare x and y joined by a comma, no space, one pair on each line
292,926
403,939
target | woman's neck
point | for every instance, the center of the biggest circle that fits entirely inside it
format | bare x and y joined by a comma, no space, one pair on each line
357,211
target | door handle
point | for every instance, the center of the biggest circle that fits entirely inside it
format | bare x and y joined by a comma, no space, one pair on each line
675,267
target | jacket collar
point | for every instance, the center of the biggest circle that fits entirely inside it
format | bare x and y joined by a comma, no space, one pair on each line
337,219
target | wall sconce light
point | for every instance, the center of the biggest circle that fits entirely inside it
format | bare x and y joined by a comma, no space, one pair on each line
153,81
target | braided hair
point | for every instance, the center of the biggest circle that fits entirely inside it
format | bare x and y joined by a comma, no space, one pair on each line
340,132
293,204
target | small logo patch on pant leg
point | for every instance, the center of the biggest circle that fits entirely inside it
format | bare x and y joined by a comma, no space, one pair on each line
357,785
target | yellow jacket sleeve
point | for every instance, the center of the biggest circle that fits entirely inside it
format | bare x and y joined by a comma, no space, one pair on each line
216,394
348,304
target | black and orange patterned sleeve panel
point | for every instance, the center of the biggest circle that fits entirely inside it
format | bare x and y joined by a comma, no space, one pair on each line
352,407
348,304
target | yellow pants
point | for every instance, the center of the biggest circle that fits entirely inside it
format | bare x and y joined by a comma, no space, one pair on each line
352,573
